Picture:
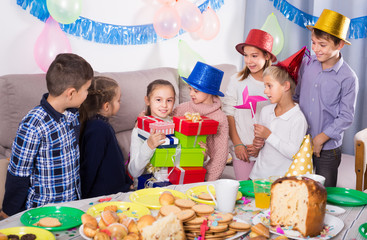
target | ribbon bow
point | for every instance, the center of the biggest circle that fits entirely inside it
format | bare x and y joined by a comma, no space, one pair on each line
151,169
194,117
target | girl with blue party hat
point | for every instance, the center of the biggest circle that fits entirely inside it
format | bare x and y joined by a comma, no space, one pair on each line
204,84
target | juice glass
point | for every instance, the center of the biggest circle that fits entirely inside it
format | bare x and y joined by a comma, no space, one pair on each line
262,192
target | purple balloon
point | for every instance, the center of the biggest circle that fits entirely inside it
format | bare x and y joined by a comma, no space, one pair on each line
49,44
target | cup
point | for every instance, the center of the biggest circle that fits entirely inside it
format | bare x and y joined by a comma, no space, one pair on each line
316,177
226,191
262,192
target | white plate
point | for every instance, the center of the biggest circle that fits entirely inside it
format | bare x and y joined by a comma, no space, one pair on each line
334,210
238,234
335,224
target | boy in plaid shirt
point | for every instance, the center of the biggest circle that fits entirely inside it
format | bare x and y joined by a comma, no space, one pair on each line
44,164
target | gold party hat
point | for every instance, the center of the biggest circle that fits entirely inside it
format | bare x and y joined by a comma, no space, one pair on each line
333,23
302,160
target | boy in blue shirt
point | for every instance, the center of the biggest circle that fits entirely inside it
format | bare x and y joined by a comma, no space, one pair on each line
327,93
44,164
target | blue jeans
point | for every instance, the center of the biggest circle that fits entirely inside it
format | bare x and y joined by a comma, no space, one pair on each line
327,165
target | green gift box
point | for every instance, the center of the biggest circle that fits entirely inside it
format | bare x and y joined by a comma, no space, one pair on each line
190,141
188,157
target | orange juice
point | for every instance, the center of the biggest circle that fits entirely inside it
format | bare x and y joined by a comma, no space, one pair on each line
262,200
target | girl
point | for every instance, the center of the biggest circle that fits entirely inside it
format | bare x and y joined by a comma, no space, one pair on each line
102,168
159,100
204,83
282,124
257,56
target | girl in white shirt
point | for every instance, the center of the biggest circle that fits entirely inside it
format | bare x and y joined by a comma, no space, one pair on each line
282,124
160,99
257,56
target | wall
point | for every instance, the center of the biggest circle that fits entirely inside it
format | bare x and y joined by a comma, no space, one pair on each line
20,29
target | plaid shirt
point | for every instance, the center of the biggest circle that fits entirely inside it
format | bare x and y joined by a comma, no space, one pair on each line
46,150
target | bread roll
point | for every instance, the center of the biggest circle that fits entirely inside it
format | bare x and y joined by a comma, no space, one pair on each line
166,198
144,221
298,202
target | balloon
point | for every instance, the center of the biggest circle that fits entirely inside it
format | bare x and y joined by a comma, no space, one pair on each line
211,25
64,11
51,42
166,1
191,19
187,59
166,22
272,27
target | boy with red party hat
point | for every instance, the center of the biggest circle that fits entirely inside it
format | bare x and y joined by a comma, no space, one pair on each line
282,124
327,93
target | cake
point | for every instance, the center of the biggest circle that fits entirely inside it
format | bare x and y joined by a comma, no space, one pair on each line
298,202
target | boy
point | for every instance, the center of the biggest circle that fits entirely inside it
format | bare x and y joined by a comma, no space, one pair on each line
44,165
327,93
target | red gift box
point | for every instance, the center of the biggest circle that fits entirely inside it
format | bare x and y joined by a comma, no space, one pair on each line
183,175
143,122
189,128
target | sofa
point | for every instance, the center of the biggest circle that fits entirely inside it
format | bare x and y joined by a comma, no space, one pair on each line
21,92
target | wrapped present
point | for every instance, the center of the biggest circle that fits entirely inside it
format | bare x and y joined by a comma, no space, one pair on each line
163,127
145,121
190,141
191,126
183,175
185,157
148,181
169,142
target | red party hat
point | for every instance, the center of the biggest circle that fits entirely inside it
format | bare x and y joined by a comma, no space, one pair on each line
293,63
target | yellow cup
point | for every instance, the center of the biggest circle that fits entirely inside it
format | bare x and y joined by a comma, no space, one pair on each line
262,192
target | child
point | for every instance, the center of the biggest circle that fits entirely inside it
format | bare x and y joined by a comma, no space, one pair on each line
204,83
327,93
102,169
159,100
257,56
282,124
44,165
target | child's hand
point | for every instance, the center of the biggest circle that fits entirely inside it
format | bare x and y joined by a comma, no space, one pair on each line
203,145
155,139
241,153
261,131
252,150
258,143
318,143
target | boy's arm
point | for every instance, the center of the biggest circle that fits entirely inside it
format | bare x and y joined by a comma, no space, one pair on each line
16,192
349,89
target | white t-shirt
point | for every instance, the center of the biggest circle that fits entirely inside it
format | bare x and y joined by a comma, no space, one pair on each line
287,132
243,117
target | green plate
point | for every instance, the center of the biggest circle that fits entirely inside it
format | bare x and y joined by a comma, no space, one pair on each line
20,231
363,230
247,188
69,217
346,196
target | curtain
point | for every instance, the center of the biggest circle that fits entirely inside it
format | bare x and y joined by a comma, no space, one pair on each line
295,37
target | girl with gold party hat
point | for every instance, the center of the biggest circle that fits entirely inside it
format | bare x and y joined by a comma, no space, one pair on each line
327,92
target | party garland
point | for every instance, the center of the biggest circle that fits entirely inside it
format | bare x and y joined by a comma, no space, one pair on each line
358,26
104,32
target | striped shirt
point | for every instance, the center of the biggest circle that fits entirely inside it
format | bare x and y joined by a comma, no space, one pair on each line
46,150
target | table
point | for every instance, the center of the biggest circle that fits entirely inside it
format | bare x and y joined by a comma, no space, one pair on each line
352,218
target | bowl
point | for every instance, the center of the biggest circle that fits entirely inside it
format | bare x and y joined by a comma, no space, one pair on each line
316,177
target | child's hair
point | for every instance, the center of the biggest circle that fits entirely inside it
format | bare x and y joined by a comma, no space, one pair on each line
67,70
281,75
243,74
101,91
154,85
321,34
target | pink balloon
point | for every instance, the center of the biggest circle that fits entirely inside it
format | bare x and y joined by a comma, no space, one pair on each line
51,42
191,19
211,25
166,1
166,22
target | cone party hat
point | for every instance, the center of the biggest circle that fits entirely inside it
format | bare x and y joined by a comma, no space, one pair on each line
302,160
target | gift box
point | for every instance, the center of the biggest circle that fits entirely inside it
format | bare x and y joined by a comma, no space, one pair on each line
183,175
145,121
188,127
169,142
163,127
148,181
185,157
190,141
